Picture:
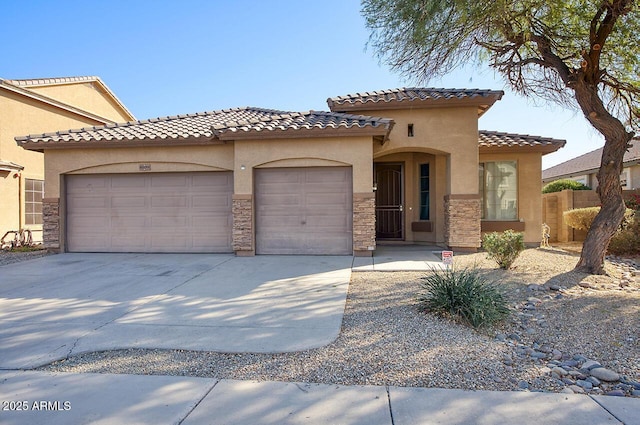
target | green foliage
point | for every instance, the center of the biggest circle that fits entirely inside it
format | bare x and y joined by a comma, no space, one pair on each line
626,241
503,247
581,218
466,295
560,185
539,46
633,202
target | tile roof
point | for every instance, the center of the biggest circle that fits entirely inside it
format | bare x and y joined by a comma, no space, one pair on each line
23,87
34,82
496,140
588,163
414,97
10,166
227,124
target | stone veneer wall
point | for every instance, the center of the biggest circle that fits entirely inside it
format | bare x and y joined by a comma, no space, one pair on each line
51,223
364,223
242,210
462,221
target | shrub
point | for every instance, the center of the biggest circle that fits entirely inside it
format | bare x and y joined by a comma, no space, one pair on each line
581,218
560,185
627,239
466,295
503,247
633,202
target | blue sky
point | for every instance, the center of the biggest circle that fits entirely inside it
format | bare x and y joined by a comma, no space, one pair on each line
174,57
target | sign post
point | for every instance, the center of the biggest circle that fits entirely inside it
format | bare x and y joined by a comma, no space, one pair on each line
447,259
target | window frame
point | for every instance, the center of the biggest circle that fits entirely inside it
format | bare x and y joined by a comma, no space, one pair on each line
482,189
33,198
421,191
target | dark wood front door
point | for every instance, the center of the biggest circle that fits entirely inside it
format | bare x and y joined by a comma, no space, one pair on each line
389,201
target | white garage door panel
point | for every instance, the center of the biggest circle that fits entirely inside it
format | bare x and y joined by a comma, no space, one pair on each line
304,211
172,212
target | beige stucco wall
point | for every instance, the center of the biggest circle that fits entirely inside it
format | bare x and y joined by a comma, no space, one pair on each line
20,116
411,162
529,190
330,151
450,131
128,160
87,96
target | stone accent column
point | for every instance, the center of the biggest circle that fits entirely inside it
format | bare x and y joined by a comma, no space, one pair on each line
364,224
51,223
462,222
242,210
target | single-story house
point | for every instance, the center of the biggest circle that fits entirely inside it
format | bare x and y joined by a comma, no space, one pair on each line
584,168
396,165
30,106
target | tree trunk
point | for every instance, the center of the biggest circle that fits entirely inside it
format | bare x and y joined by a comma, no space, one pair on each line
611,212
609,190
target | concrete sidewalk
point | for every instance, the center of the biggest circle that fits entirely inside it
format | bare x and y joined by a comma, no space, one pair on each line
400,258
49,398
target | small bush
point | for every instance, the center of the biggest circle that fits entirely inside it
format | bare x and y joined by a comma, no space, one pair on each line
581,218
633,202
627,239
466,295
503,247
560,185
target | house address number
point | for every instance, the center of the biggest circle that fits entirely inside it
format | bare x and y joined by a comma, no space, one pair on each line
144,167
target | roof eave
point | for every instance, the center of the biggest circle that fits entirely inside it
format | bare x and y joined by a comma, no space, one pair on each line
40,146
482,102
543,149
44,99
378,131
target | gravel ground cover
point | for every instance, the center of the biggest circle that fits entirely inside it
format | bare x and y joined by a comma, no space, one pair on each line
568,332
8,257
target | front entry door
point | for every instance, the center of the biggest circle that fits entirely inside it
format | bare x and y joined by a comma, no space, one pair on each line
389,201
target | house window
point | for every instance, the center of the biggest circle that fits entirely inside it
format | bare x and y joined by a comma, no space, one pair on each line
34,192
499,190
625,179
424,191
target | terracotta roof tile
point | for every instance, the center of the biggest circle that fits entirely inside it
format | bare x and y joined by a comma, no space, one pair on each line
588,163
31,82
414,95
227,123
494,139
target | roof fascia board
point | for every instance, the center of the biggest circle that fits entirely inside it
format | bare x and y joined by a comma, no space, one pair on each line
44,99
68,82
110,144
305,133
483,104
530,149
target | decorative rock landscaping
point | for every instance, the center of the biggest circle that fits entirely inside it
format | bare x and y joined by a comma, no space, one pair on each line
568,333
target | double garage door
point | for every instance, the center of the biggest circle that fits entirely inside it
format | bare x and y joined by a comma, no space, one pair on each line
168,212
297,211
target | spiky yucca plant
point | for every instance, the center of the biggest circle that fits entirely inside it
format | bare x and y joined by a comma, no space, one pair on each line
464,294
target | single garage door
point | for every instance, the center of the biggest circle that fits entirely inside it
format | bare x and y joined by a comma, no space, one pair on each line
304,211
167,212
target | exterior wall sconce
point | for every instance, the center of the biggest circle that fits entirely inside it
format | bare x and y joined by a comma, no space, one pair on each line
242,167
410,130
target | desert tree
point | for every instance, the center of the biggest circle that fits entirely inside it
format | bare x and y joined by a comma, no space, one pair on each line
581,54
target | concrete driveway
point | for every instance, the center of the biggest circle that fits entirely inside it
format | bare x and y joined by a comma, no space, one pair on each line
66,304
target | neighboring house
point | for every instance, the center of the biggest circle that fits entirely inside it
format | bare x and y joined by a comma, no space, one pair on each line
585,167
28,106
397,165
